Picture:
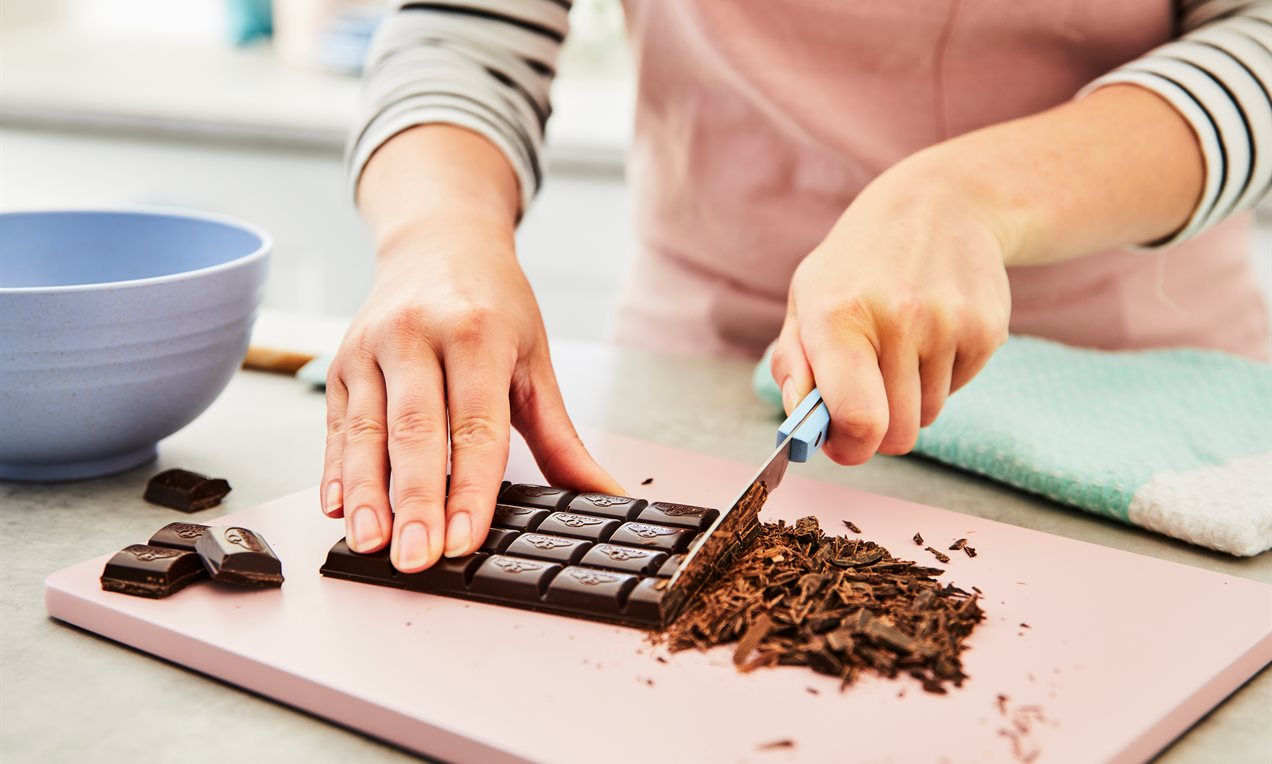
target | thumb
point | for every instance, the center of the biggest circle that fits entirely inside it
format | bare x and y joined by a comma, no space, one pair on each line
789,364
539,414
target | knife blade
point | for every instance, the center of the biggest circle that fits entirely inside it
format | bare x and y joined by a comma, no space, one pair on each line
798,437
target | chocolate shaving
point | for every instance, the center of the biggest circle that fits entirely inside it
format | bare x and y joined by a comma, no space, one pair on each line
646,481
957,545
776,744
838,605
918,540
850,525
970,551
938,554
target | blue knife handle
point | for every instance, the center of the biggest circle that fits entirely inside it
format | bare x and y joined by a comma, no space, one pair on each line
809,436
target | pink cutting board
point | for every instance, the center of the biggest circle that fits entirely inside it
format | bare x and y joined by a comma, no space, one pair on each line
1110,667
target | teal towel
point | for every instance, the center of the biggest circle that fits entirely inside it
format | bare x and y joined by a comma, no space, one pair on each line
1177,441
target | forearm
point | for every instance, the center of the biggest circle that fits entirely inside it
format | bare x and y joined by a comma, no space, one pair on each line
434,179
1116,168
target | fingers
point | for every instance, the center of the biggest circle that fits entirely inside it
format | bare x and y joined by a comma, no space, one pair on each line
539,413
416,446
364,463
935,372
790,366
478,377
330,492
848,375
900,368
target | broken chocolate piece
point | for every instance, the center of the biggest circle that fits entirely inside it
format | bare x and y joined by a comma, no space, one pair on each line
178,535
646,481
238,556
185,491
850,525
969,551
151,571
957,545
918,540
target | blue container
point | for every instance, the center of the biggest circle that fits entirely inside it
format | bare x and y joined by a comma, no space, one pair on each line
117,328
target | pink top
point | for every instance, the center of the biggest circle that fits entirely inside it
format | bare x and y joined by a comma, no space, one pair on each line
758,123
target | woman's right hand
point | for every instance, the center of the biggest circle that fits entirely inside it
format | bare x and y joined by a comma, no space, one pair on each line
448,347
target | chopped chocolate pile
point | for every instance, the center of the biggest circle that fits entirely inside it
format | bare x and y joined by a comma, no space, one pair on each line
837,605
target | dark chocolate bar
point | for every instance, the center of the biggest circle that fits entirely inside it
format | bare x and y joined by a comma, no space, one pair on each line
151,571
239,556
178,535
186,491
591,555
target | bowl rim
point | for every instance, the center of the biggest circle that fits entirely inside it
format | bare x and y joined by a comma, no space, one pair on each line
261,252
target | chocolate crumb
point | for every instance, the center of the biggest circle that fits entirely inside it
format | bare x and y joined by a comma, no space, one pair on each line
661,659
812,690
649,682
646,481
788,743
938,554
1002,704
850,525
969,551
957,545
918,540
1025,626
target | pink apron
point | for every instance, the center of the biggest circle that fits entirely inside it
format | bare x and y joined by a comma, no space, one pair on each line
759,122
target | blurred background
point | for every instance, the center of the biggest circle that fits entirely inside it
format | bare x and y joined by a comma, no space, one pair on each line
243,107
198,104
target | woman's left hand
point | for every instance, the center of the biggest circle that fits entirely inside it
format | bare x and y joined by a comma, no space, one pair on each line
901,305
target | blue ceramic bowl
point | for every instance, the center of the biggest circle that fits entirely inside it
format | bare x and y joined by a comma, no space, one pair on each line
117,328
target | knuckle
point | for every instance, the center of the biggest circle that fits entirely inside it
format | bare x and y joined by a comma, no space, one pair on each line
475,431
364,429
411,427
473,324
357,486
847,315
420,495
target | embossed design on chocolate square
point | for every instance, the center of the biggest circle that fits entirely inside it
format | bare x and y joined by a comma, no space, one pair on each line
605,500
244,538
651,531
536,491
150,553
187,530
514,565
681,510
579,521
507,510
547,542
592,577
622,554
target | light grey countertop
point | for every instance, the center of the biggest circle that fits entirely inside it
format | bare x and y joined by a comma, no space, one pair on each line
67,695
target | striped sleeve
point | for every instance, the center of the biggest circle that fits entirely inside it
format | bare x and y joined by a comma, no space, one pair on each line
1218,75
485,65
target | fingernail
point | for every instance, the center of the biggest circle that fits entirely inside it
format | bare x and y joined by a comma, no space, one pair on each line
459,534
333,498
366,530
411,549
789,395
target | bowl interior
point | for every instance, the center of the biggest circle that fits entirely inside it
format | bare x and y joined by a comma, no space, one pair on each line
76,248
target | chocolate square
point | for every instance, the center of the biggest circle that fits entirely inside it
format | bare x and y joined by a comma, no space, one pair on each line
518,518
151,571
542,496
497,540
682,515
661,537
627,559
669,566
579,526
514,578
645,601
178,535
594,591
185,491
239,556
541,546
447,574
617,507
